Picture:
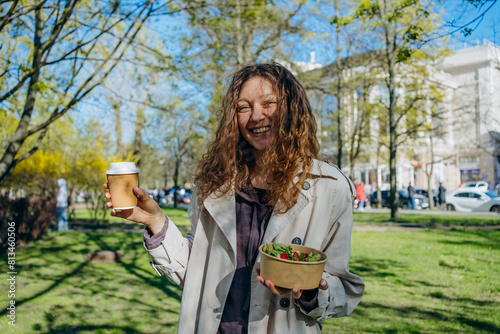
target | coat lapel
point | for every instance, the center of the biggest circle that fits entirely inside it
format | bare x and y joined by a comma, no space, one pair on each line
223,211
279,221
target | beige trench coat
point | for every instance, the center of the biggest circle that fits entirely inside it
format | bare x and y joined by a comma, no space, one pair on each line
204,262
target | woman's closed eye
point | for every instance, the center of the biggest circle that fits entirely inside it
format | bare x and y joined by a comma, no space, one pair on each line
243,108
269,103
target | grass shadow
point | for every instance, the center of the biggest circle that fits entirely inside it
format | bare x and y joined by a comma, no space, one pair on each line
435,315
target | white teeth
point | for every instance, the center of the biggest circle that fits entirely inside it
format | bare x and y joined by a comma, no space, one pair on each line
260,130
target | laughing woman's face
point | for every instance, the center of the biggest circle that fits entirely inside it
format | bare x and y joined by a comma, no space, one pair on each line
256,106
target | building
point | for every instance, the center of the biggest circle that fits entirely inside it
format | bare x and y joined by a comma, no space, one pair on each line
465,143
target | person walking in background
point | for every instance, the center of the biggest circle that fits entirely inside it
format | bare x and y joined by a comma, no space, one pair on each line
361,196
62,206
411,197
442,196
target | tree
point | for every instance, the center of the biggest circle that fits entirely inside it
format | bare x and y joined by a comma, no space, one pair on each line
185,133
54,54
472,14
340,91
81,156
233,33
396,26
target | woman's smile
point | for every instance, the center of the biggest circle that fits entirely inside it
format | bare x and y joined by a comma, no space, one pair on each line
256,107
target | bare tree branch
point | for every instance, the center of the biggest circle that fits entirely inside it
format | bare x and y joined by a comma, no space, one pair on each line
81,90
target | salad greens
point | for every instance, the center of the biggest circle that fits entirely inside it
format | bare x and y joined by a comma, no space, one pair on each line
287,253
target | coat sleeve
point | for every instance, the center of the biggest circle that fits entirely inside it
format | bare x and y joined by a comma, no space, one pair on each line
344,288
172,256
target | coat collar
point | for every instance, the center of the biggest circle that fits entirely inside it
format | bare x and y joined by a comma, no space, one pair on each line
223,211
279,221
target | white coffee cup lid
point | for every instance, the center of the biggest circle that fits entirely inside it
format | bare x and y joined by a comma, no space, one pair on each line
117,168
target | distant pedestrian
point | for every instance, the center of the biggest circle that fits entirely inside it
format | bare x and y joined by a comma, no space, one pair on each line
360,196
411,197
442,196
62,206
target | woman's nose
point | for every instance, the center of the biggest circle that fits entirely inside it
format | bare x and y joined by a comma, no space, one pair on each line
258,113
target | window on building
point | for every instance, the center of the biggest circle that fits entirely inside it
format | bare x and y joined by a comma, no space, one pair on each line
469,160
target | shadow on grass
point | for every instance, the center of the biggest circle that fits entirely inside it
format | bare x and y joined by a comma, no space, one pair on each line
71,248
489,239
135,247
467,301
88,224
383,268
375,267
442,316
50,288
65,329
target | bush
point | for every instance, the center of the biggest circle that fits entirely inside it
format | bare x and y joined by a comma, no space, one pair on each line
32,215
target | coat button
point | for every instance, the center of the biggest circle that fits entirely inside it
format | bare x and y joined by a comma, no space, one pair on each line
297,241
306,186
284,302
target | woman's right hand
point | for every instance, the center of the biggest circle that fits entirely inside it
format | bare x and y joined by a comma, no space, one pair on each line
147,211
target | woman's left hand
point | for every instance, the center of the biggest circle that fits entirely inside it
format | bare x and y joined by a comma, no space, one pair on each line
296,293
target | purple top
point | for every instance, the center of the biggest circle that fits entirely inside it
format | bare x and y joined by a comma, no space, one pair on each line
252,217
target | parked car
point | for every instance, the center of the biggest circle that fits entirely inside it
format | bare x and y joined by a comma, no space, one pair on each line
470,199
425,194
421,202
479,185
184,198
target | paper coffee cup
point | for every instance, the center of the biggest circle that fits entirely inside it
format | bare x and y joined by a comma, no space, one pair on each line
122,178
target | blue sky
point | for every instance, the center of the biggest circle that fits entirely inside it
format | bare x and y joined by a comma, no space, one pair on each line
486,28
458,11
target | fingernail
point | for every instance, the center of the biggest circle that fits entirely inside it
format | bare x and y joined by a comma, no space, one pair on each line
294,290
136,188
267,284
323,283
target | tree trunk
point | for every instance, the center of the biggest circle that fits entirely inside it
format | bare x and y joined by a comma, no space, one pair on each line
139,126
379,192
239,41
8,161
393,198
118,129
176,178
390,58
340,142
429,177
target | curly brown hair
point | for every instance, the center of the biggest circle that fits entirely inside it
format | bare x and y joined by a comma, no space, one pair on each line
229,160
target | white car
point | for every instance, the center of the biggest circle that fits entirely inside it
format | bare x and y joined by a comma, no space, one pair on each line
472,199
479,185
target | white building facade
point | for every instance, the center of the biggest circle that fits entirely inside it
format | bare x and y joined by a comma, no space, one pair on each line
465,146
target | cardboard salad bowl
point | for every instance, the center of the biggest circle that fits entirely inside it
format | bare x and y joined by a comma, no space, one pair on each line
287,273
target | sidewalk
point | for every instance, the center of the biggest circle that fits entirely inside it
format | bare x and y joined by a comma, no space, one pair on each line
427,212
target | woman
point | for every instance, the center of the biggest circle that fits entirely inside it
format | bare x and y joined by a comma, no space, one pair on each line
259,182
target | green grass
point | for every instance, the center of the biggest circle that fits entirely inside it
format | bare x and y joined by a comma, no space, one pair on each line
433,281
82,219
428,219
59,292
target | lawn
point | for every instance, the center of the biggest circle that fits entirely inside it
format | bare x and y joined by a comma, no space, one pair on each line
82,220
428,219
431,281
